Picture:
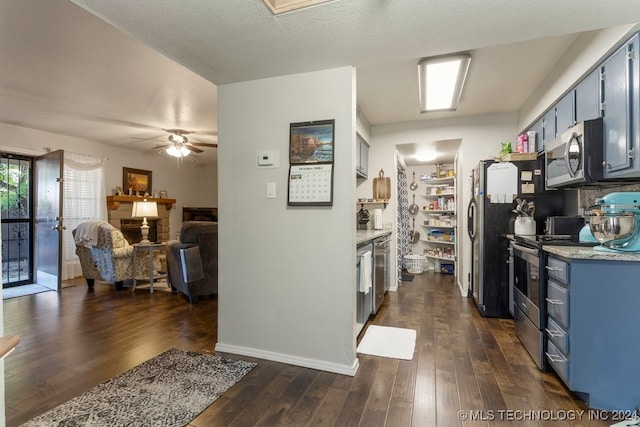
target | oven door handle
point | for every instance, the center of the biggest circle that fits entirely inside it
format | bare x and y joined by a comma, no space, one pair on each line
524,249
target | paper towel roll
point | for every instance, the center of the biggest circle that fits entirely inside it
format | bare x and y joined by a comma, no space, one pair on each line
377,219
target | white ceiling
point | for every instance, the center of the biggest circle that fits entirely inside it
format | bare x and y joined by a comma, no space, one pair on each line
66,71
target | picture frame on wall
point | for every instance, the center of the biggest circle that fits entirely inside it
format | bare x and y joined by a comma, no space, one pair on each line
311,142
136,180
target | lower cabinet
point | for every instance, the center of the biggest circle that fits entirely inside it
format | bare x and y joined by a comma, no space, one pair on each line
592,333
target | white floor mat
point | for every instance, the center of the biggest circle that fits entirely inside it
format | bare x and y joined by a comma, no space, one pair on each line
385,341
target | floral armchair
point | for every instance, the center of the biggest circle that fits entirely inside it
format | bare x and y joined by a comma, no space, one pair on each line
105,254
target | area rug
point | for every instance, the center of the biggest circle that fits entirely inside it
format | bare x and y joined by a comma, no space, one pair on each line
386,341
23,290
169,390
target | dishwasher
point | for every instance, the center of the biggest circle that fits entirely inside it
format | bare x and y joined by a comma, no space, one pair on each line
381,281
364,300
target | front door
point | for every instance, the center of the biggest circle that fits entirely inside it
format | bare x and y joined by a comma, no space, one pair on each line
48,173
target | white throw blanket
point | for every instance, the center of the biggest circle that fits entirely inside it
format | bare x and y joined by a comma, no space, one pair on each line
365,272
87,233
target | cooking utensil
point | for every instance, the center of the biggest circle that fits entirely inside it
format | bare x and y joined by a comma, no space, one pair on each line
381,187
414,236
414,185
413,208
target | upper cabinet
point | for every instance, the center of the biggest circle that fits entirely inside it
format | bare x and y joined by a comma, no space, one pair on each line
565,109
620,106
362,157
610,91
538,128
587,94
362,144
548,126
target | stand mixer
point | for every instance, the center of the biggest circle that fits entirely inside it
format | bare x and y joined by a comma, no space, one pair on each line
615,222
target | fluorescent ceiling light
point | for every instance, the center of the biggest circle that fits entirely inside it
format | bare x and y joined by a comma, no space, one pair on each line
440,81
425,157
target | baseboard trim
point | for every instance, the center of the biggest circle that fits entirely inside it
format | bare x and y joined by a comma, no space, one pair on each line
289,359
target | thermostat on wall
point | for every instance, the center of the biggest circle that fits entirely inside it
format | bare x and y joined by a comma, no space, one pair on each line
268,159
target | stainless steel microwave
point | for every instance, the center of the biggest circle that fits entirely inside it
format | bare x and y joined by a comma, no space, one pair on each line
575,157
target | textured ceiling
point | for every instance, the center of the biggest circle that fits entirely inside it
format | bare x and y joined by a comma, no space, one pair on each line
72,73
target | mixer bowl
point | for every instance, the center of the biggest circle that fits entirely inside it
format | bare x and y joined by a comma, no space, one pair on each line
613,228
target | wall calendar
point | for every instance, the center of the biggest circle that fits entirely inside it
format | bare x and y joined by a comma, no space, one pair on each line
311,163
311,185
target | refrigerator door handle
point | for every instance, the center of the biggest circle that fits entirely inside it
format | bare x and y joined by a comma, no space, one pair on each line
471,220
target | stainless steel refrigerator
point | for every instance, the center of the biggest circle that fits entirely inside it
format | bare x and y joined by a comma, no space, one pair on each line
490,219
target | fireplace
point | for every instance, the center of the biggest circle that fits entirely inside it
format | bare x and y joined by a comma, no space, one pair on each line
119,215
131,229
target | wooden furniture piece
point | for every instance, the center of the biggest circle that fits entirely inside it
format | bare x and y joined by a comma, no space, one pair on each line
145,252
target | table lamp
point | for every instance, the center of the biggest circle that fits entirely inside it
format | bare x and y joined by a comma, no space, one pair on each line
143,210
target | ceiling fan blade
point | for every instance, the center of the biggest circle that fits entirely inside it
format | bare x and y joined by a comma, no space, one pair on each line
203,144
152,138
159,146
194,149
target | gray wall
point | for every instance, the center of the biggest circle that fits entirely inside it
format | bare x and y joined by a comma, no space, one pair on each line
287,274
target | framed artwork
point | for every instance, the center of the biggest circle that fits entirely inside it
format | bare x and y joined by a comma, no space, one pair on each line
136,180
311,142
163,194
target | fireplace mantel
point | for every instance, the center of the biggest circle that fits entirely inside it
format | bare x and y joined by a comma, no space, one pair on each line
119,211
113,202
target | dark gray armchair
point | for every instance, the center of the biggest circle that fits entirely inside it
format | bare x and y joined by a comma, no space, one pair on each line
192,262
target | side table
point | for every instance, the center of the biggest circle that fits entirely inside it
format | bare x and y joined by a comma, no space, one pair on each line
150,248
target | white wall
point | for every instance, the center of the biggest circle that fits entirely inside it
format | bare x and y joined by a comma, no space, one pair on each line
190,184
481,137
286,274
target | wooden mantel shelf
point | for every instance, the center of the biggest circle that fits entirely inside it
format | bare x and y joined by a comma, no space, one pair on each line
113,202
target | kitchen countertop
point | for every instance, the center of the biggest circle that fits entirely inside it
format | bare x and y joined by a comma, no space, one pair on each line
581,252
364,236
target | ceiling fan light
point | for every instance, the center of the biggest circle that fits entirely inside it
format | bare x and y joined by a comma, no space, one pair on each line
177,138
178,151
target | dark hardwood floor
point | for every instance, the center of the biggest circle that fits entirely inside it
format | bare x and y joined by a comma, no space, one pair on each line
78,338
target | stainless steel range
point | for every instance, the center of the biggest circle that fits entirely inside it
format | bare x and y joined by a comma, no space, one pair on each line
529,289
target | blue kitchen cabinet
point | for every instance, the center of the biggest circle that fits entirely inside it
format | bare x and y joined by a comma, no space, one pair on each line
592,329
620,112
548,126
587,95
537,127
565,117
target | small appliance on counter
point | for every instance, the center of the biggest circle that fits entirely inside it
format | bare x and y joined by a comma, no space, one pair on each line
615,222
561,225
363,218
377,219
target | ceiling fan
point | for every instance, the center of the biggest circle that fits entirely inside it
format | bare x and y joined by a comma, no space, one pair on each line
180,146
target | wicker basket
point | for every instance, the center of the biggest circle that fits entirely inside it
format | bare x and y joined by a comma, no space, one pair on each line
414,263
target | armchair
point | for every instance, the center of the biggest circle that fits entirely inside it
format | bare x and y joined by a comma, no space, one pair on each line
192,261
104,253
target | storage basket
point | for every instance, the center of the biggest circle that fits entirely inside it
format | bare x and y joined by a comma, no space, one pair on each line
415,263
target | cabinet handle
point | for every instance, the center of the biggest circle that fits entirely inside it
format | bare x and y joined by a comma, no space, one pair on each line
553,268
554,301
554,358
553,333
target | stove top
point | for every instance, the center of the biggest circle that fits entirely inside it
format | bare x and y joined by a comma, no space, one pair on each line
554,239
